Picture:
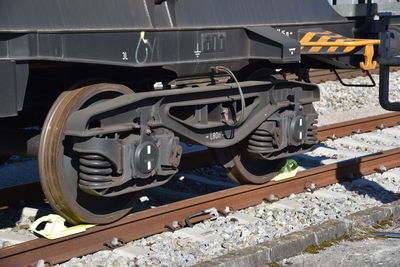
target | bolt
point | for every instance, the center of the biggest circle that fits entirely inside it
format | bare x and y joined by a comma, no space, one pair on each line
175,225
40,263
176,156
115,242
358,131
272,198
147,131
333,137
226,211
311,187
381,169
380,126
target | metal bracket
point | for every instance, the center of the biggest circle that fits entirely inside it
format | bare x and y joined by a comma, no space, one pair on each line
212,211
385,61
368,64
373,84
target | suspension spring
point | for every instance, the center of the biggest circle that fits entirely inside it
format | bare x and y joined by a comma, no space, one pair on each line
94,171
312,133
261,141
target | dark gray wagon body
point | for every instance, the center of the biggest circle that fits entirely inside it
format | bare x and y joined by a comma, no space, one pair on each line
186,37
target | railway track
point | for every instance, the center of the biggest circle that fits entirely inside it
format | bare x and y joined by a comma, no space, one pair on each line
152,221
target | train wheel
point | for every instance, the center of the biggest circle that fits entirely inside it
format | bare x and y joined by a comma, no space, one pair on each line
57,161
247,168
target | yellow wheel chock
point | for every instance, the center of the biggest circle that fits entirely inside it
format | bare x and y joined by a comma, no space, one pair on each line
288,170
55,227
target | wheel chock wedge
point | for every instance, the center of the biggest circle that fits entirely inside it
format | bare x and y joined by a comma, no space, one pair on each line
288,170
55,227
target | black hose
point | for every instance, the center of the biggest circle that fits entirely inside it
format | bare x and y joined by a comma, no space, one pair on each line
242,101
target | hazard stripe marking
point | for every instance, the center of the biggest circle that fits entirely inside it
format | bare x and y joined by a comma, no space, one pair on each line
328,42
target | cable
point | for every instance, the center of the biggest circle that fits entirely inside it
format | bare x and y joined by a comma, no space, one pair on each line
242,101
146,48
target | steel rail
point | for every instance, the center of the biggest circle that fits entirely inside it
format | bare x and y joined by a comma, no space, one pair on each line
153,221
366,124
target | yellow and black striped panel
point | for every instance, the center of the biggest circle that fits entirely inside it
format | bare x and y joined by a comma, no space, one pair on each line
313,39
332,43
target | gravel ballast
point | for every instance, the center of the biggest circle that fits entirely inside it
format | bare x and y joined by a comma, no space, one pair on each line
338,98
270,221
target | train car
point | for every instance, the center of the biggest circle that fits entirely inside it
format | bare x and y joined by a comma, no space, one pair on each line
104,92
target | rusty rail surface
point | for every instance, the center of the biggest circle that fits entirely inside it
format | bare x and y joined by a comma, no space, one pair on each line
358,126
153,221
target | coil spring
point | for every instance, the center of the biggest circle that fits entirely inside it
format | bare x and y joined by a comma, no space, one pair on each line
261,141
311,133
95,171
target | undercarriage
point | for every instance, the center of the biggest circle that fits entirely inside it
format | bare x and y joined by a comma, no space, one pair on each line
111,142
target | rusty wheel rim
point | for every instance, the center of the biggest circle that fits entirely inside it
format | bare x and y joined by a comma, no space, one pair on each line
56,170
247,168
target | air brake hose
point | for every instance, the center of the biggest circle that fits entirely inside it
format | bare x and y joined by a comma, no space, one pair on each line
230,73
